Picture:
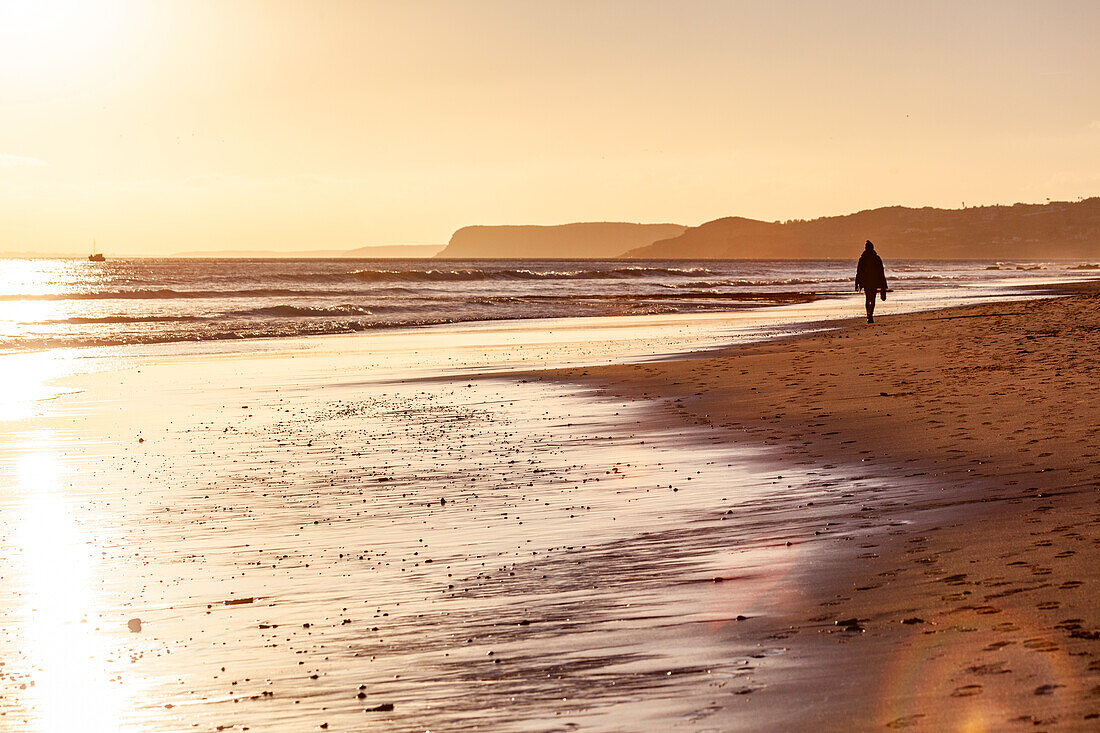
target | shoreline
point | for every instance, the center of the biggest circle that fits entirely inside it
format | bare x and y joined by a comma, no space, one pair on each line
782,307
652,557
940,551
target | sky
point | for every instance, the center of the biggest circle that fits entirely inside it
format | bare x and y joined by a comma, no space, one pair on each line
170,125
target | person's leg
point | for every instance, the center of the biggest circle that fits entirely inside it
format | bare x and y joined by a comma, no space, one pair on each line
871,293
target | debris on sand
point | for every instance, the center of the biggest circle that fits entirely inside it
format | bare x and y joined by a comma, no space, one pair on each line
849,624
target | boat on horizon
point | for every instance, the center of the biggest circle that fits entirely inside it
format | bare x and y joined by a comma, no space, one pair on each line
96,256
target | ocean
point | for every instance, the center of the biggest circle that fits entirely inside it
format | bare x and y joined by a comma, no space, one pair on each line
47,304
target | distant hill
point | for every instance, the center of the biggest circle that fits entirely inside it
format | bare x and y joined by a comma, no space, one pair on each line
566,241
1059,229
386,251
396,251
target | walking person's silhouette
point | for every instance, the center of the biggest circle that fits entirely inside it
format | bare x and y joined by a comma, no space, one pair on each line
871,278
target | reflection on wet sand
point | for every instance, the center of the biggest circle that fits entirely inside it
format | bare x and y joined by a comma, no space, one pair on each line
52,628
28,380
485,553
311,537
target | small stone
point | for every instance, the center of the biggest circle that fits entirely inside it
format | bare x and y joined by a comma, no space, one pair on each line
134,625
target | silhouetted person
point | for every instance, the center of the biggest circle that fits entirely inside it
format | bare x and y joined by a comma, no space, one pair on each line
871,278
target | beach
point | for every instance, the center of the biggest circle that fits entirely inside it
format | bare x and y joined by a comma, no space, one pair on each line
832,527
956,585
502,366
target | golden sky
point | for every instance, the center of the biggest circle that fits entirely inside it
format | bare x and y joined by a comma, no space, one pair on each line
168,125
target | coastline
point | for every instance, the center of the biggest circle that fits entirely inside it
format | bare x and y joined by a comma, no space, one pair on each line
699,589
956,584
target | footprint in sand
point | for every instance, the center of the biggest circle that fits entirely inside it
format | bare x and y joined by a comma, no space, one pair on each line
967,691
905,721
1041,645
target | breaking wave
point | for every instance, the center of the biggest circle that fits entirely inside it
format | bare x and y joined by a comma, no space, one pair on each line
470,274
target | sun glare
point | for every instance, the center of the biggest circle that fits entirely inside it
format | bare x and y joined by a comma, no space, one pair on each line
43,35
72,689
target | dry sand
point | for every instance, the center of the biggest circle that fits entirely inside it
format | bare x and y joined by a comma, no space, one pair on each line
958,589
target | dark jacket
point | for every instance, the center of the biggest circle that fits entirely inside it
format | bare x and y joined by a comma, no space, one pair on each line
870,274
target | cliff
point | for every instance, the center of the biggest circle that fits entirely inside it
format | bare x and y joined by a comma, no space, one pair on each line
1059,229
565,241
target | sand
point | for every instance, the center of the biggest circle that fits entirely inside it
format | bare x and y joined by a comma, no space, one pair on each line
957,587
316,533
888,526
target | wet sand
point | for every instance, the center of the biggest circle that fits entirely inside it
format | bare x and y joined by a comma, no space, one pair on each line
351,534
318,534
956,580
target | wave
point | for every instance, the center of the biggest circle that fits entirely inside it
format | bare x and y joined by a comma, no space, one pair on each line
381,276
790,296
274,311
298,328
797,281
757,283
469,274
294,311
84,320
777,296
158,294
